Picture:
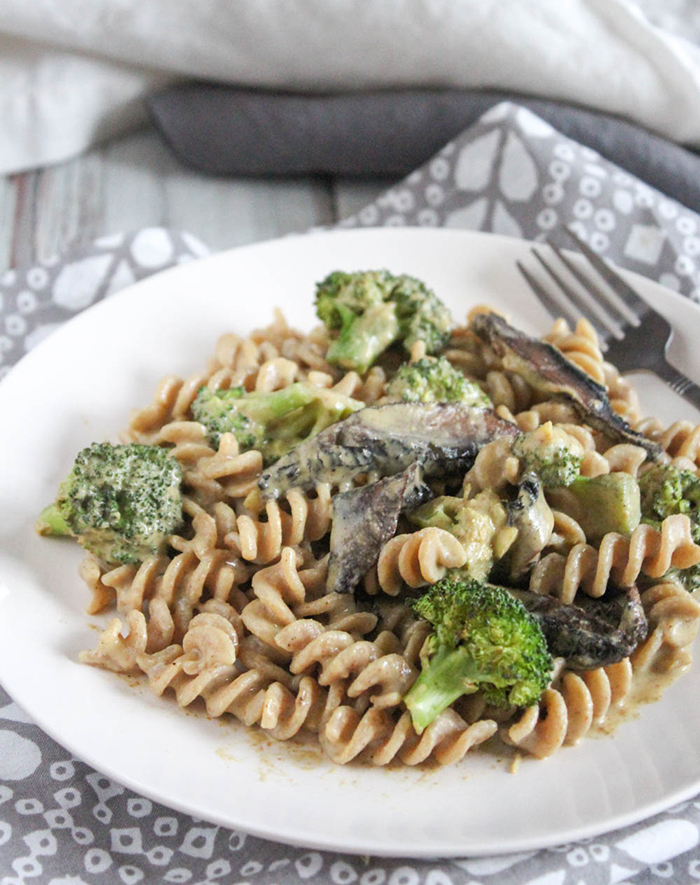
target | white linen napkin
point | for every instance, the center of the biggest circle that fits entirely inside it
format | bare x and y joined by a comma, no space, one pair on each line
72,72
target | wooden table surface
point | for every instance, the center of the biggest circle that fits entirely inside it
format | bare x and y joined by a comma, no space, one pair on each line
136,182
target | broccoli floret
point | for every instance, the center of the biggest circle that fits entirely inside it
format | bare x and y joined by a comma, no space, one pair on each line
368,311
480,524
422,315
667,490
120,502
689,578
431,380
483,639
550,453
274,423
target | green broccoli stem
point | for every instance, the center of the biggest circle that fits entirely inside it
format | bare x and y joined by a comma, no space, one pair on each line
444,679
264,408
309,421
364,337
50,522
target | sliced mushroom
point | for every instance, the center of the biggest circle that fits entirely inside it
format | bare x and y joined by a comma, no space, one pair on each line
364,519
443,437
548,372
594,633
530,514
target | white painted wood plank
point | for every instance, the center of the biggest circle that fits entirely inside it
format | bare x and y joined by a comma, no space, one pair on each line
133,173
136,182
67,208
47,210
8,208
225,213
144,184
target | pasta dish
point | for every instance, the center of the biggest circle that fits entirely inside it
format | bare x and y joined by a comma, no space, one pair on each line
403,535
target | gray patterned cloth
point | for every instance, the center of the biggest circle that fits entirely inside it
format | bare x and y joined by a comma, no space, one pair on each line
61,823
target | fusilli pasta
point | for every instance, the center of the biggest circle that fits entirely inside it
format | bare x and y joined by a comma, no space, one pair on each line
238,611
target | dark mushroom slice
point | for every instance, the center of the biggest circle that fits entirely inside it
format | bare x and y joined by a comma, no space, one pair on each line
595,633
364,519
443,437
532,516
549,373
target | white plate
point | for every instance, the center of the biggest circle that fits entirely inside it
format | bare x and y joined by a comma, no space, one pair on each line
80,385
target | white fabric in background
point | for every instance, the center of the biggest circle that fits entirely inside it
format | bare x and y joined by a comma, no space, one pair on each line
73,72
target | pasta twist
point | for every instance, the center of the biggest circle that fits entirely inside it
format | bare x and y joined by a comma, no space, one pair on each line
416,559
250,696
674,617
308,519
121,651
622,458
360,666
181,581
101,596
580,346
338,611
369,389
172,401
508,390
378,737
567,713
212,473
411,632
279,588
549,410
234,472
275,374
623,397
619,560
682,441
309,351
188,442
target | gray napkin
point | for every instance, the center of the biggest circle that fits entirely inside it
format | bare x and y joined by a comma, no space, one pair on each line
228,131
61,823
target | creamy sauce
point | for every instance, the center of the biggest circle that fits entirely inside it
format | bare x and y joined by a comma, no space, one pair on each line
648,685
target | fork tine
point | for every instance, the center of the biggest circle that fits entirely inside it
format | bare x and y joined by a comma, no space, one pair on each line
555,307
602,328
633,301
601,303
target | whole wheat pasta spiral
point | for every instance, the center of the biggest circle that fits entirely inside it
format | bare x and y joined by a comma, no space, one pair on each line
416,559
682,440
259,537
648,551
122,652
507,389
580,347
397,618
249,696
565,714
278,588
360,665
623,397
378,737
674,619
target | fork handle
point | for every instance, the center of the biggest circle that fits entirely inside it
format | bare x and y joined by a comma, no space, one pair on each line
679,382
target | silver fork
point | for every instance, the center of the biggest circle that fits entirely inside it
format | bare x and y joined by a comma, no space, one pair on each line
633,335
